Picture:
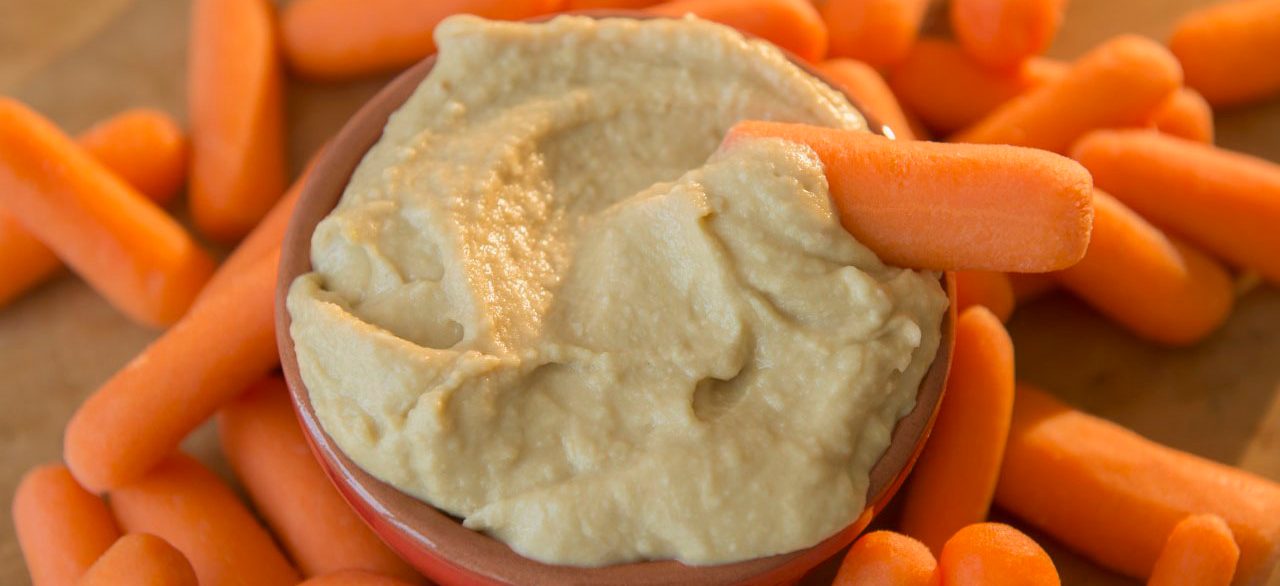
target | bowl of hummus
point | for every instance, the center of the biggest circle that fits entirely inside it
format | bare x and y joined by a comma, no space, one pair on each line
540,327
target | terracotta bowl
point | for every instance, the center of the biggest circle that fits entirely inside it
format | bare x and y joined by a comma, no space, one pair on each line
436,543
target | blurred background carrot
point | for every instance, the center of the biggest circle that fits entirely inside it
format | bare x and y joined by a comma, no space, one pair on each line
62,528
189,507
342,39
145,148
236,104
134,254
878,32
793,25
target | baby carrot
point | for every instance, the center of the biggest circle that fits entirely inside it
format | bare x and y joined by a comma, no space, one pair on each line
342,39
608,4
235,100
989,289
793,25
1201,552
1118,83
885,558
138,416
994,554
972,92
1029,286
188,506
877,32
354,578
262,440
946,206
140,559
949,91
128,249
1160,289
24,261
1226,202
144,147
1228,50
1185,114
1001,34
953,483
871,93
62,529
1041,70
1114,496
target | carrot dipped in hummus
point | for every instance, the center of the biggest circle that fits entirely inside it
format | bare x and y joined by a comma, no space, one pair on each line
946,206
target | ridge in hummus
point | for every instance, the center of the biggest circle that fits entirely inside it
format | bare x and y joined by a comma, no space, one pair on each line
546,304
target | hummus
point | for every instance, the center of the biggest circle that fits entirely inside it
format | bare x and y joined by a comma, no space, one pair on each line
547,304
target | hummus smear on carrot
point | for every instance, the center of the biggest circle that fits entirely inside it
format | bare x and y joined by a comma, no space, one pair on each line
548,305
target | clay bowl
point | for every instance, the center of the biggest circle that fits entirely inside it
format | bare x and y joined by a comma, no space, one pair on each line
437,544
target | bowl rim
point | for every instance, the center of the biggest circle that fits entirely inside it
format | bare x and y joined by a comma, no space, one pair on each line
436,543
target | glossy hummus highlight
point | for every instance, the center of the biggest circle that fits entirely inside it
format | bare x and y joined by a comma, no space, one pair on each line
547,305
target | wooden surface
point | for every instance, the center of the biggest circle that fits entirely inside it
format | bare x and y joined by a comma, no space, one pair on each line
79,61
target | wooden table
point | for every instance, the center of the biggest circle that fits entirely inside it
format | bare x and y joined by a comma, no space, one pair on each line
79,61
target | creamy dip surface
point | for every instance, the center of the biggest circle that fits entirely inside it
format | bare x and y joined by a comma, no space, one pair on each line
547,304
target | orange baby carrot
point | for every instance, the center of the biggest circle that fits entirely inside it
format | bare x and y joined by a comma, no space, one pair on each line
128,249
354,578
946,206
885,558
137,418
188,506
1228,50
1001,34
988,289
144,147
262,440
608,4
1118,83
955,478
1158,288
24,261
235,100
1114,496
342,39
1030,286
140,559
1226,202
1041,70
949,91
62,529
793,25
871,93
994,554
1185,114
877,32
1201,551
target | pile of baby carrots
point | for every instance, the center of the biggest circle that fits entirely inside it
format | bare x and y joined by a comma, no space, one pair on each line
1012,200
